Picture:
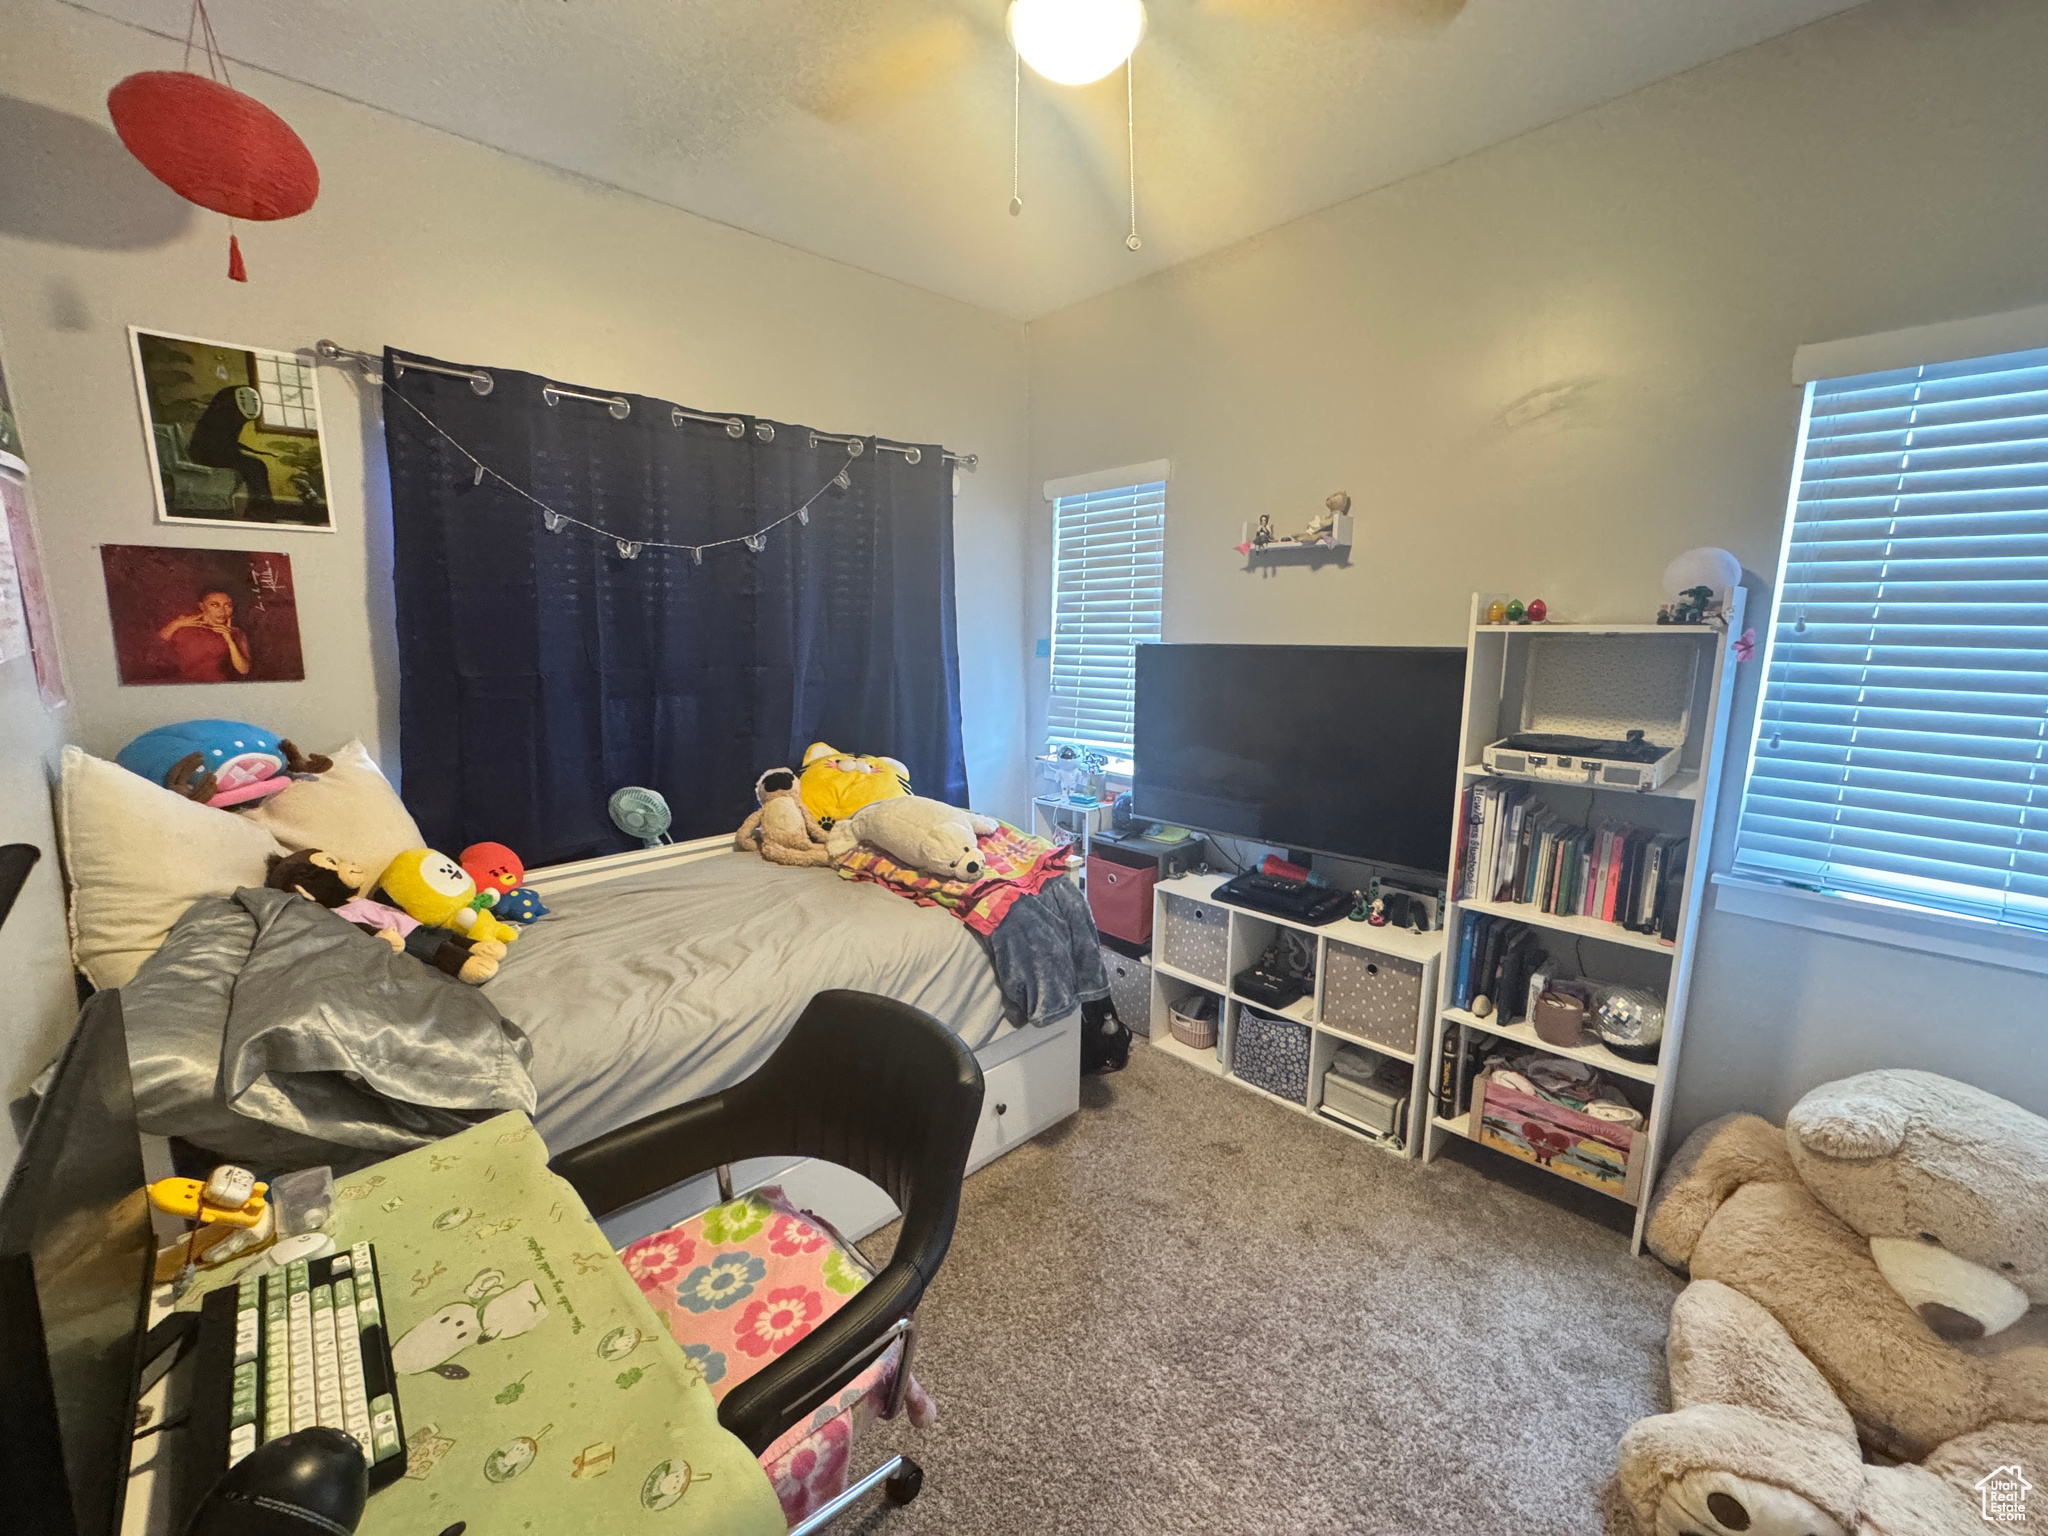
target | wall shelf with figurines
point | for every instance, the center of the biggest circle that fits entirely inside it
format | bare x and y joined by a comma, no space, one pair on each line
1328,530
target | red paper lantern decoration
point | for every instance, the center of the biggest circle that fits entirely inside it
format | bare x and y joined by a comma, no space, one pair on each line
216,147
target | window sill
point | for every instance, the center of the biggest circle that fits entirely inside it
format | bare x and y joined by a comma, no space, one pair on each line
1877,922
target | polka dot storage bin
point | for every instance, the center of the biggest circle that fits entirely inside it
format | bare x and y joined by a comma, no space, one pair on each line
1194,937
1373,996
1130,988
1272,1054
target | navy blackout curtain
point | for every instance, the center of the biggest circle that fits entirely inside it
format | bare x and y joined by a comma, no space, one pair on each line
540,671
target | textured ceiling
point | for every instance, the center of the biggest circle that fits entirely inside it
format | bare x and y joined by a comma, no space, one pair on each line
877,132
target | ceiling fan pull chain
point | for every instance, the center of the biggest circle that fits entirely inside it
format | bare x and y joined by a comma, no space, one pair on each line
1016,133
1131,127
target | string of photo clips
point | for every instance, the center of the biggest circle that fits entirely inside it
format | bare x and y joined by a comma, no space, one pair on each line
629,549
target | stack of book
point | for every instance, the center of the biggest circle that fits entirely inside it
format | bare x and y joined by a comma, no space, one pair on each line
1515,848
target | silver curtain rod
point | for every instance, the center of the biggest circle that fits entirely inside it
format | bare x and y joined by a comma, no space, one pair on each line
619,406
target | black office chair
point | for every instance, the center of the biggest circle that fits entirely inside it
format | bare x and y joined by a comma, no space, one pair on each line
862,1081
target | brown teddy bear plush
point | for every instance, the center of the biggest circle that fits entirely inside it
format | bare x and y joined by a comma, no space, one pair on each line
1860,1276
783,831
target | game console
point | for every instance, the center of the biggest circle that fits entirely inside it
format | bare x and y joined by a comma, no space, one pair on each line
1367,1092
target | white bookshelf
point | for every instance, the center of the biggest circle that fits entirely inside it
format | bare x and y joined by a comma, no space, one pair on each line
1497,675
1248,935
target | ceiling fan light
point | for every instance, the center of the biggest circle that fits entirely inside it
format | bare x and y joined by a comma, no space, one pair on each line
1076,42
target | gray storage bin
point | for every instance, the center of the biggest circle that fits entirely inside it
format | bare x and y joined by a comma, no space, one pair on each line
1372,996
1194,937
1130,988
1272,1054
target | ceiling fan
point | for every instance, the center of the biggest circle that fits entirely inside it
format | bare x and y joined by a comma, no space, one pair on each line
878,61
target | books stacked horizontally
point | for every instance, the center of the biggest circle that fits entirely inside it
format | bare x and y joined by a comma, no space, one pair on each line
1516,848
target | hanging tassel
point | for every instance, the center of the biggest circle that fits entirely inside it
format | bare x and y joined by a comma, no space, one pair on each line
478,477
843,480
803,515
696,556
237,273
629,549
551,520
756,542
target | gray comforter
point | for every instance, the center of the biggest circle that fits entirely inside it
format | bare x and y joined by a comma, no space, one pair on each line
270,1030
655,987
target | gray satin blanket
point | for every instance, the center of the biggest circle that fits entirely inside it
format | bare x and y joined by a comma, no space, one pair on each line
268,1029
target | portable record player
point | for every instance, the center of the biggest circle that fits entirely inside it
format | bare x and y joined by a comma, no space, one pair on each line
1630,763
1600,711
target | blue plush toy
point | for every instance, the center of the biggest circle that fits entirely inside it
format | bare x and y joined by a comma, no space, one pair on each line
520,906
217,762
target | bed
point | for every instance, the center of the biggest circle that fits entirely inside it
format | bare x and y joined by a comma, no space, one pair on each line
701,959
656,981
660,975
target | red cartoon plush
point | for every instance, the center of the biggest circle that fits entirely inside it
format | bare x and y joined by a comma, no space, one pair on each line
497,872
493,866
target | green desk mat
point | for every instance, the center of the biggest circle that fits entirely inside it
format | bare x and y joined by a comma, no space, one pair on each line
540,1391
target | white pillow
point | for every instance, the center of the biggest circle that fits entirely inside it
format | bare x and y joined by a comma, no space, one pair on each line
350,810
137,856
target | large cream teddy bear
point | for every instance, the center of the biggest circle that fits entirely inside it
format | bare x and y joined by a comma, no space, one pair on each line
937,838
1863,1275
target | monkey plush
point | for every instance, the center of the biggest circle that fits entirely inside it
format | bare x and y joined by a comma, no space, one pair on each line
336,884
783,831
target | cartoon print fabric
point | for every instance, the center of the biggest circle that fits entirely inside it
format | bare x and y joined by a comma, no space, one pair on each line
537,1384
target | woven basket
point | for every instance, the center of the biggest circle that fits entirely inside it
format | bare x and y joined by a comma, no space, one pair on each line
1197,1033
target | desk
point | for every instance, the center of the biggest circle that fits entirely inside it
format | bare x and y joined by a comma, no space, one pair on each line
539,1390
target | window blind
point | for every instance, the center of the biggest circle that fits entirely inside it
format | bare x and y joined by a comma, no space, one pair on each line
1902,743
1108,573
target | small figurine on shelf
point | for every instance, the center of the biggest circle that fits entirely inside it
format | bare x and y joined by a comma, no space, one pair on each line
1377,917
1691,607
1263,534
1496,612
1322,528
1516,613
1538,610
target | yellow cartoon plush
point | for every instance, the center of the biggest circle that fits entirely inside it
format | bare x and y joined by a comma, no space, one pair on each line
432,888
835,785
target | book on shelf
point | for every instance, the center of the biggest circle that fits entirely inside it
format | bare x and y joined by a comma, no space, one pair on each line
1464,1049
1496,958
1518,850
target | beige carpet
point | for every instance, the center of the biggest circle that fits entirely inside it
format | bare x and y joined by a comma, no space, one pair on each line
1187,1310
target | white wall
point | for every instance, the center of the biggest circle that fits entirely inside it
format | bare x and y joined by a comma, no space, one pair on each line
35,964
440,246
1551,366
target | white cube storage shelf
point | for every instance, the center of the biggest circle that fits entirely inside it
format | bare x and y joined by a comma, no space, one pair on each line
1374,987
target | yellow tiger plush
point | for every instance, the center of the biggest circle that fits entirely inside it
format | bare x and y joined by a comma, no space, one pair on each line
835,785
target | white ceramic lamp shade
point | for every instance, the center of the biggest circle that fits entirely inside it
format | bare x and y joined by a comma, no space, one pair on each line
1075,42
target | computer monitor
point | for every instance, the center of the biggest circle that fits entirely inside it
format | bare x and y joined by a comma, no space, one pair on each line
75,1253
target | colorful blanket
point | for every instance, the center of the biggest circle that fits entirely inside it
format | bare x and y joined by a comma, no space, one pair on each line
1016,864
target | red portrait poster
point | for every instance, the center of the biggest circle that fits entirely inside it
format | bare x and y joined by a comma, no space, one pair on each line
202,615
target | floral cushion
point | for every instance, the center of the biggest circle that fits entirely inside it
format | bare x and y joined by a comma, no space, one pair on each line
741,1284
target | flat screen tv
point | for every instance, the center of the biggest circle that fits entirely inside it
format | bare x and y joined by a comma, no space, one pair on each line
1342,749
